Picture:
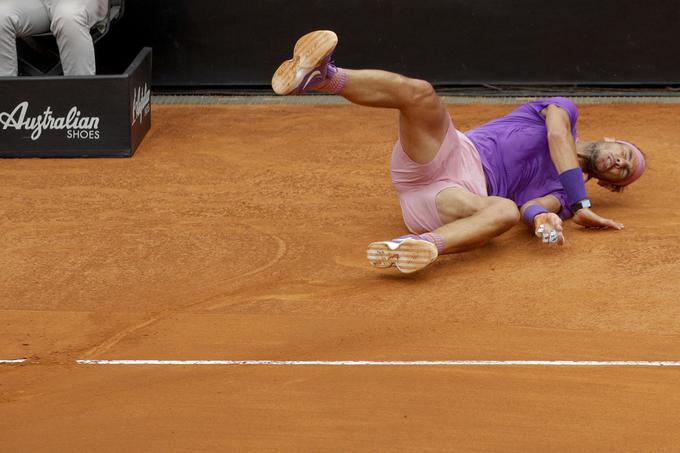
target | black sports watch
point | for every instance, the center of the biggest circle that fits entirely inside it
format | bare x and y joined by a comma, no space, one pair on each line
585,203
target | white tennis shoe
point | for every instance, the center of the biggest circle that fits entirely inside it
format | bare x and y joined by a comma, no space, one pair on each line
408,255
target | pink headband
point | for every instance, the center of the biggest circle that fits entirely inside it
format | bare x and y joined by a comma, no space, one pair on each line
640,166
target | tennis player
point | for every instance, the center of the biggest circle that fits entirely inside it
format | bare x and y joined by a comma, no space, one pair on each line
459,190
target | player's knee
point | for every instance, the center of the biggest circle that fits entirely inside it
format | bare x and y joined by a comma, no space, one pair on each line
420,92
506,214
67,18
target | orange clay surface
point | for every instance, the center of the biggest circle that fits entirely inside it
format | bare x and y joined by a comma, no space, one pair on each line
239,232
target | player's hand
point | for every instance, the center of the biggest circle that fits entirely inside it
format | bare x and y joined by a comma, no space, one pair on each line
548,227
587,218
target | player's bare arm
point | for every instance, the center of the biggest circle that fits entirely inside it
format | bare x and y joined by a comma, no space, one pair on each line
564,155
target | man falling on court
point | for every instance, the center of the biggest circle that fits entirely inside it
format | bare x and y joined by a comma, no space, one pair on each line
459,190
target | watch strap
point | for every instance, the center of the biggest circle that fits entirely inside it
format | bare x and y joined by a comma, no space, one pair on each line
585,203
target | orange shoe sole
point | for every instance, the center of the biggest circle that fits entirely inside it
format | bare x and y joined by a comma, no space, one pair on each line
308,53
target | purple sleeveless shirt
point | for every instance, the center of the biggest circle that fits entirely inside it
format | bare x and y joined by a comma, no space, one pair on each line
515,154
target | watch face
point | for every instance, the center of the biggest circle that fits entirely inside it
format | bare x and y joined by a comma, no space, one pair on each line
580,205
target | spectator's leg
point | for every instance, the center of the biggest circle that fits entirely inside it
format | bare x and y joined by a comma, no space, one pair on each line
71,24
18,18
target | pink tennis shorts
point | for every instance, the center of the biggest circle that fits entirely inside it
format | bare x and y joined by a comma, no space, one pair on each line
457,164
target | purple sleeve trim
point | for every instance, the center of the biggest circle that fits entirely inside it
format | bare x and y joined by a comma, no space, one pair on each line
572,181
563,103
531,212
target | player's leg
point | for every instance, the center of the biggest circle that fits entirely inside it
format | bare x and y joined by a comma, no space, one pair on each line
71,24
469,221
18,18
423,120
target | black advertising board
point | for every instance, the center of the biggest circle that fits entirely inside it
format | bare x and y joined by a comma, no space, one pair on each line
99,116
139,98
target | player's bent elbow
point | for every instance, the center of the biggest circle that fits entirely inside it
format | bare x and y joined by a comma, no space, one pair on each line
558,137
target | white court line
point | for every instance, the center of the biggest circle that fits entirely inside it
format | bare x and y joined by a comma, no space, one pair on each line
459,363
385,363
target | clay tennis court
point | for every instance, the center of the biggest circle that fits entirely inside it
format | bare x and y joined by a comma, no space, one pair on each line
239,233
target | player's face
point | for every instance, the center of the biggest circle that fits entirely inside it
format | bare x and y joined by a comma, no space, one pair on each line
613,162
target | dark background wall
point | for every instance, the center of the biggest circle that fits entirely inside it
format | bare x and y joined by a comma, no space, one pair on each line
223,43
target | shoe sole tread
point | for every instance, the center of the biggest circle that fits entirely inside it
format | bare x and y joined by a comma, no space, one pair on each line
308,52
409,256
